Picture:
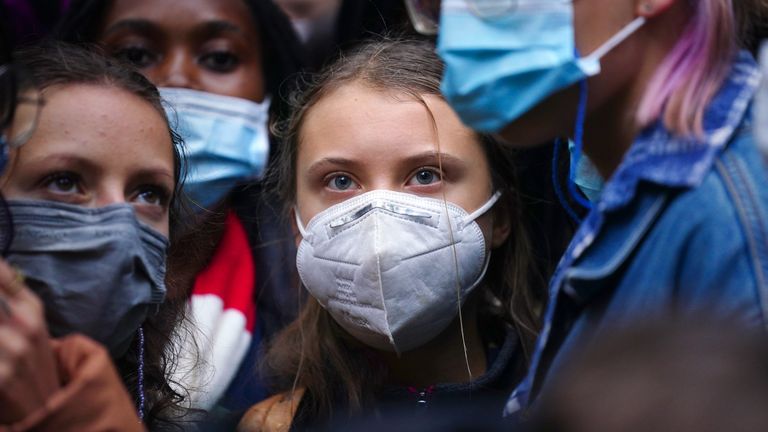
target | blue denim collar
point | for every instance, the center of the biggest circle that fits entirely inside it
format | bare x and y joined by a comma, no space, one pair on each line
659,157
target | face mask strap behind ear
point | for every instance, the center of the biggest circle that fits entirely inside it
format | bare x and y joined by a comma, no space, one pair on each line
613,42
485,207
299,225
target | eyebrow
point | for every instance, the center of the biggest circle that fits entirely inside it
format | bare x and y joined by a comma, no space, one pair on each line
330,162
67,159
214,28
135,24
154,173
146,27
433,157
425,158
85,163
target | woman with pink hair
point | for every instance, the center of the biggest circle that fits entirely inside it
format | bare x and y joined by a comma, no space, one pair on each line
658,95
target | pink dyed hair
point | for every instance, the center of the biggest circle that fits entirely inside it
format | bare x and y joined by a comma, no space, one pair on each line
693,71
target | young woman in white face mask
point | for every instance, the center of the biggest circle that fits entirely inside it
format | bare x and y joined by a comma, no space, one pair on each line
404,217
91,195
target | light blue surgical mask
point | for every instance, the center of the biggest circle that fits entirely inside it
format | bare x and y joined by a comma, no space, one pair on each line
500,65
225,138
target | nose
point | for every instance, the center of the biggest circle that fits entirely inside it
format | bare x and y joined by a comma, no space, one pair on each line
176,70
110,191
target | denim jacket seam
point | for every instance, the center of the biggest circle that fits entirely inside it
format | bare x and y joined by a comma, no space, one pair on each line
748,208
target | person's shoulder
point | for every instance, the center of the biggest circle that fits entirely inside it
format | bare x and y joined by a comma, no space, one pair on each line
734,189
274,414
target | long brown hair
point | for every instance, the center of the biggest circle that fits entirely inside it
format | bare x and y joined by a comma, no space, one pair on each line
314,352
53,63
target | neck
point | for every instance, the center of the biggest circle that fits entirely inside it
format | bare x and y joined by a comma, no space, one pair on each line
611,127
442,359
609,132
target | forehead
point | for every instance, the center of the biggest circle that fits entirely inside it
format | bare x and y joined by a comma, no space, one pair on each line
180,14
357,120
104,123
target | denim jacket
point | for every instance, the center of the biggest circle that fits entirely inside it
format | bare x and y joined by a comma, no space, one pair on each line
681,226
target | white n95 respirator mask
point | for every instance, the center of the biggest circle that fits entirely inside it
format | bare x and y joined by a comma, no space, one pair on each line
383,265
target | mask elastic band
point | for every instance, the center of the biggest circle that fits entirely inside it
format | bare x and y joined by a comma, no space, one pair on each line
485,207
299,225
140,385
617,38
578,145
556,182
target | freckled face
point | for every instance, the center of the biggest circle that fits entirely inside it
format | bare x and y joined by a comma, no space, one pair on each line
357,139
94,146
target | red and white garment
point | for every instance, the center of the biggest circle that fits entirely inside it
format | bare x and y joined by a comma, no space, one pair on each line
221,319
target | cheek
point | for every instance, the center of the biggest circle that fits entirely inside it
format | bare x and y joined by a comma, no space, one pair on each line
486,226
307,204
245,83
6,175
162,226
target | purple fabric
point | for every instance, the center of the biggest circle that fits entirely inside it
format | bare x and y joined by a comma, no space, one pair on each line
24,18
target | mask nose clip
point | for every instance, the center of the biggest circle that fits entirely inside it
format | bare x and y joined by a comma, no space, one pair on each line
383,205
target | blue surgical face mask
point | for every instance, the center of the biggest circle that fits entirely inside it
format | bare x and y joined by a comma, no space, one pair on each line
499,66
225,139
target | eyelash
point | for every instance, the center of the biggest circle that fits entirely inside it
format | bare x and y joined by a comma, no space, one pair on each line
53,177
125,52
434,170
234,60
163,195
330,177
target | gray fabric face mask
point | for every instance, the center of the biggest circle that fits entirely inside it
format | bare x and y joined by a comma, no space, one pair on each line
98,271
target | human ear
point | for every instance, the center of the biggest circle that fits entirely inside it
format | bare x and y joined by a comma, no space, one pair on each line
502,222
652,8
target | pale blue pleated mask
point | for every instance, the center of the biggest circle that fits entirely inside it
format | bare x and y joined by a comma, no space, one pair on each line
226,141
499,67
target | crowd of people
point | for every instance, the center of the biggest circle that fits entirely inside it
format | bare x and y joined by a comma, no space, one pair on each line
288,215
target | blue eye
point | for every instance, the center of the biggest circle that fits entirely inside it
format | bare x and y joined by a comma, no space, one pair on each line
424,177
341,183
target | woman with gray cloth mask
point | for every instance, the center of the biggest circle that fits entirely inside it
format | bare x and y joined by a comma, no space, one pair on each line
91,194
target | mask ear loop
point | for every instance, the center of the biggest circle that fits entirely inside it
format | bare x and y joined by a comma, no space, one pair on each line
578,131
556,183
578,141
300,322
140,385
578,144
